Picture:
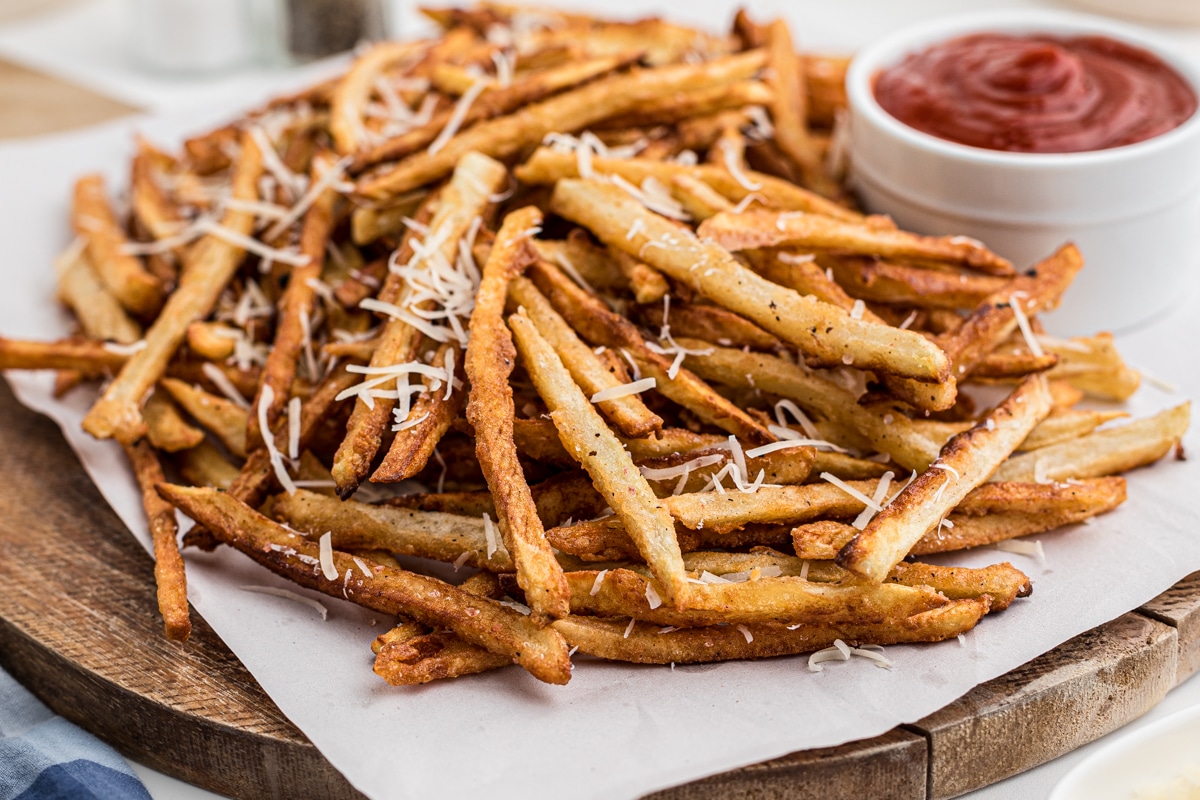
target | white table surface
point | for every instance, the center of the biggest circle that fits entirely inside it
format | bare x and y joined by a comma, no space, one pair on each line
85,42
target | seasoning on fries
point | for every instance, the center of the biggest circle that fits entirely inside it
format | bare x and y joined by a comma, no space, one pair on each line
577,308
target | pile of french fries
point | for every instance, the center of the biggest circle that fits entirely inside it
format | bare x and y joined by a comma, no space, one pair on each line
582,309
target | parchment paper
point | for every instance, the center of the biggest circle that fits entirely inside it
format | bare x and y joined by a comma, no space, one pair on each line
615,731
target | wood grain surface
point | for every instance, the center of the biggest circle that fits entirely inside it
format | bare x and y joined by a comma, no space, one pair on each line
33,104
1179,607
1072,695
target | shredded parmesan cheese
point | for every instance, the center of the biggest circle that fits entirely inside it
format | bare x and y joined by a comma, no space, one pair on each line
489,534
624,390
1032,549
459,114
880,494
276,458
224,385
598,582
1023,323
325,545
850,490
652,597
746,632
629,628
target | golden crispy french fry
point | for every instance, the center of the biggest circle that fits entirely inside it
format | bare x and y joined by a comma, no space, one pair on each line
489,362
698,199
204,465
789,109
648,285
901,284
390,591
433,656
494,101
846,467
790,466
967,460
210,265
295,307
165,427
124,276
81,290
476,179
90,358
589,440
430,418
168,564
546,166
221,417
361,526
1103,452
565,113
214,341
594,321
629,414
1065,424
724,512
820,330
625,593
883,430
353,90
650,644
369,223
675,108
755,229
1093,365
1038,289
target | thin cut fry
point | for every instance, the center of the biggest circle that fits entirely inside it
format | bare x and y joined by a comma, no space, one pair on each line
967,460
390,591
168,564
489,362
211,263
94,220
821,331
589,440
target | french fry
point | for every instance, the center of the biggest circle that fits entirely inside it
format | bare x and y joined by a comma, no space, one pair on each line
430,418
295,307
822,331
966,461
594,321
886,282
223,418
390,591
90,358
588,439
756,229
210,265
124,276
789,109
628,414
360,526
568,112
886,432
1104,452
346,106
100,315
168,564
546,166
495,101
489,362
649,644
204,465
165,427
465,198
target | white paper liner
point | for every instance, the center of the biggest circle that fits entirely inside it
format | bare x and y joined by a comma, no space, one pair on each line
616,730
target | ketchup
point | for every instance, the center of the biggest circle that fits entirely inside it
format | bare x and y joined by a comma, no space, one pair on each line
1036,94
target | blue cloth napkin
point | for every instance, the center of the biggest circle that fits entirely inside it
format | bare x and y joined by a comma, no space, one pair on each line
44,757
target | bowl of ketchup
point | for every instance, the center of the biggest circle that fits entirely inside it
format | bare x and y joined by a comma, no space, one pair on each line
1027,129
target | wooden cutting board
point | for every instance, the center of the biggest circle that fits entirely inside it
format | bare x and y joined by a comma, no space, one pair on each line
78,626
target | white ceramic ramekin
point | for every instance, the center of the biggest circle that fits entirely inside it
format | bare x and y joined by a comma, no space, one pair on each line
1134,211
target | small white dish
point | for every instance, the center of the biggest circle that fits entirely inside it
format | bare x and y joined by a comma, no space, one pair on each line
1139,762
1134,211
